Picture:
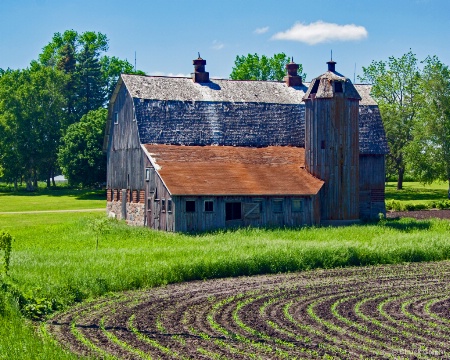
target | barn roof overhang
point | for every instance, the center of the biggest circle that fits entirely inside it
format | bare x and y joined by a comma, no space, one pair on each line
233,171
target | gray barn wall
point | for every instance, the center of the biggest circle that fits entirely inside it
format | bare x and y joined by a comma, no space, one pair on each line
156,192
125,157
371,186
201,220
332,154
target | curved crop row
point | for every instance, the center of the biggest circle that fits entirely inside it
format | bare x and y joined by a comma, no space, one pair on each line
389,312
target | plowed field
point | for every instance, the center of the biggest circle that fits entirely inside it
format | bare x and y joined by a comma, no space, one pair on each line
399,311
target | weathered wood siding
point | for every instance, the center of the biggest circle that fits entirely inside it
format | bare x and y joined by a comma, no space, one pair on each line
255,211
372,186
332,154
125,157
159,212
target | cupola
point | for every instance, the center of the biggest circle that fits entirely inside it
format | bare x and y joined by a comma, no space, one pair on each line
292,78
200,75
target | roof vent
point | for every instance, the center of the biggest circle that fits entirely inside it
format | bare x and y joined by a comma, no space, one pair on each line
292,78
200,75
331,66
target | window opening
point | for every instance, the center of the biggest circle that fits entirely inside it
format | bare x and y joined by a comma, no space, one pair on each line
163,205
147,174
338,87
209,206
169,205
116,117
315,87
297,205
233,211
190,206
278,206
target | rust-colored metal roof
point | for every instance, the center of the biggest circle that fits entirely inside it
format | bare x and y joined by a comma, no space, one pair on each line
229,170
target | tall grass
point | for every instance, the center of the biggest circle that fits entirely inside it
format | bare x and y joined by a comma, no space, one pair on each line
55,262
55,257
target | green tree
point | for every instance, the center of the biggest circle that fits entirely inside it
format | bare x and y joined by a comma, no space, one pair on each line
254,67
396,89
429,154
92,75
31,109
80,155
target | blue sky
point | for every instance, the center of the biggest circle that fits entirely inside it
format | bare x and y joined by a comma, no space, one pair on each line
167,35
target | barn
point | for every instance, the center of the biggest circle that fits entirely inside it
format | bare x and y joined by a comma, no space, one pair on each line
196,154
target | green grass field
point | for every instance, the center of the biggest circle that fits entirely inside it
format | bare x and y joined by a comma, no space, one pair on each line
55,262
417,193
64,199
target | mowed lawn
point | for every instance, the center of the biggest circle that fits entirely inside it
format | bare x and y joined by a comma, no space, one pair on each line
62,199
417,193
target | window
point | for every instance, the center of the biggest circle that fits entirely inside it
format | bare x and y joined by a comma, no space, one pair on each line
190,206
116,117
233,211
169,205
338,86
252,210
278,206
149,204
134,114
209,206
163,205
297,205
147,174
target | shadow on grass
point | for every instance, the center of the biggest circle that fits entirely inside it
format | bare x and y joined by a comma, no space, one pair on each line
408,194
407,226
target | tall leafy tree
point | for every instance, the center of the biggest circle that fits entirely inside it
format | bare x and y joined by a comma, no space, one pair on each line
31,106
80,155
429,154
396,87
92,75
255,67
91,92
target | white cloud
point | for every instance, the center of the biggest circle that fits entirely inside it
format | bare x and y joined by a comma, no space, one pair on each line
160,73
319,32
217,45
262,30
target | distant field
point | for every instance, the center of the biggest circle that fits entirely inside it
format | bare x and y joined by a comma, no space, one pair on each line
415,192
61,199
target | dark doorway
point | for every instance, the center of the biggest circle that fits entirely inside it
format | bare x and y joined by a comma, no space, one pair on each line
233,211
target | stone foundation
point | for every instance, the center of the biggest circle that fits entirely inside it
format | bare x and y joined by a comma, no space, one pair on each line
114,209
135,214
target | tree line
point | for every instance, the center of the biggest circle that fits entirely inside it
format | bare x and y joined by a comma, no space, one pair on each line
414,101
44,107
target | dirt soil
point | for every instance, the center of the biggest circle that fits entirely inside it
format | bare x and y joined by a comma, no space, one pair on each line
420,214
379,312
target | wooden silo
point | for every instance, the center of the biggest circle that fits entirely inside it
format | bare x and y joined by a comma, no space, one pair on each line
331,143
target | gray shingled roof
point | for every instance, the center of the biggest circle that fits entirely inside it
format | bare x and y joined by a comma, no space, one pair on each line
173,110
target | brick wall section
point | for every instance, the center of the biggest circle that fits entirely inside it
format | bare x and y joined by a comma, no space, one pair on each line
115,195
142,197
128,195
108,195
135,196
377,195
